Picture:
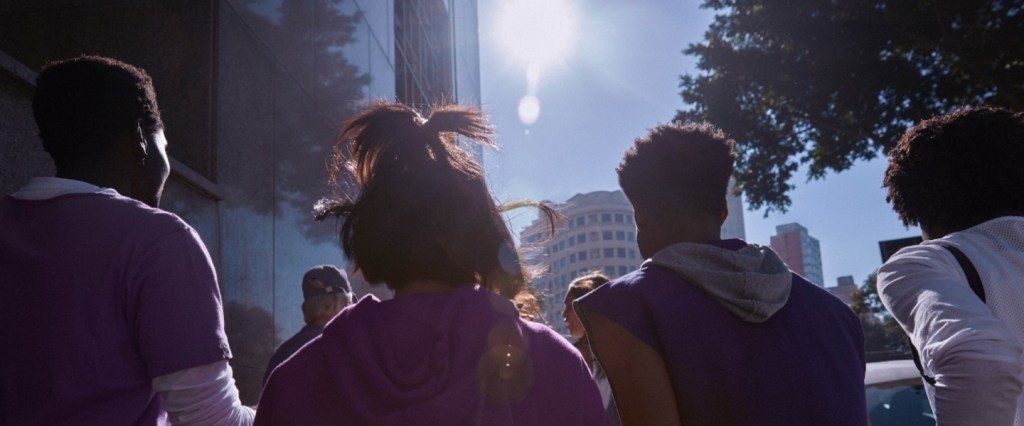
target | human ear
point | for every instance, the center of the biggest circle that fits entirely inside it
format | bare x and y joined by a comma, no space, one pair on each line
141,145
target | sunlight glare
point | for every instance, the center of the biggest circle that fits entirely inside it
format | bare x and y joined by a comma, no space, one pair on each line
537,32
529,109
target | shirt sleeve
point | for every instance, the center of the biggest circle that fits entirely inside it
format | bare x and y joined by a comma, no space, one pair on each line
201,396
970,352
621,302
173,305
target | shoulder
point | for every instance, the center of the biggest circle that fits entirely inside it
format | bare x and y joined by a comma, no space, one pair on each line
134,218
917,261
631,290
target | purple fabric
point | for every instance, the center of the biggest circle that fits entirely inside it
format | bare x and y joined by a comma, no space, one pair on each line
433,358
290,346
804,365
100,294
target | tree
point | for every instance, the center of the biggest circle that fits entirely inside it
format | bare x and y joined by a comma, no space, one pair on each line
883,336
324,86
827,83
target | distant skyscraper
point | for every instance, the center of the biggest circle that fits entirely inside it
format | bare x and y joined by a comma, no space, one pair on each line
799,250
844,288
733,226
598,235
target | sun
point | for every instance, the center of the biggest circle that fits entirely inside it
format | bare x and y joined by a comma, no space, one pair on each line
537,32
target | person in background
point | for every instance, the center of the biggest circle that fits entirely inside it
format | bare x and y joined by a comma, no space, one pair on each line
110,311
325,292
450,347
577,288
959,176
712,331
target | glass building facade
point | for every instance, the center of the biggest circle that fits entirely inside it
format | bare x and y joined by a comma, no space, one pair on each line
252,94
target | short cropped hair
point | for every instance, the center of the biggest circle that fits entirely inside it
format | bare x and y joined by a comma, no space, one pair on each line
585,284
317,307
680,168
82,105
959,169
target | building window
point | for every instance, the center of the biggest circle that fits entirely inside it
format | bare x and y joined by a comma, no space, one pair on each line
619,218
582,256
630,236
591,218
572,275
423,52
606,217
572,258
620,235
594,236
606,235
632,254
609,271
595,253
572,241
621,252
581,238
561,245
629,219
623,270
609,253
579,221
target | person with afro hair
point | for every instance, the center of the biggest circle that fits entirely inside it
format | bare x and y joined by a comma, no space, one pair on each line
713,331
960,176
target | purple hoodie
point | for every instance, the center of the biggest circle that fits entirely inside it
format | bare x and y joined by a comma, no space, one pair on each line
459,358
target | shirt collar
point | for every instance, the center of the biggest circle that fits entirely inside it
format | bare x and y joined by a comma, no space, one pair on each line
42,188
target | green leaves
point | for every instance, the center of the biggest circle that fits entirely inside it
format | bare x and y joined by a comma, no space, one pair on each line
829,83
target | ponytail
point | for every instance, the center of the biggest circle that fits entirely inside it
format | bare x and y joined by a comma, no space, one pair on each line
421,209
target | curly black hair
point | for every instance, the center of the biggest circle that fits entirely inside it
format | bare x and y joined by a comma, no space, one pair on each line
957,170
680,168
83,104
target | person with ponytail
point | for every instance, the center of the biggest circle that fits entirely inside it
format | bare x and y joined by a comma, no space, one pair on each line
450,347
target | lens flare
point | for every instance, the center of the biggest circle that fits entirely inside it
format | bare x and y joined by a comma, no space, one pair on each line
529,109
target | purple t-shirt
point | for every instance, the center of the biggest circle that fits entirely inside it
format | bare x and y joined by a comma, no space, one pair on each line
460,358
99,294
804,365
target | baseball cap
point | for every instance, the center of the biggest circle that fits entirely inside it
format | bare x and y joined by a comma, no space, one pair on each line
324,279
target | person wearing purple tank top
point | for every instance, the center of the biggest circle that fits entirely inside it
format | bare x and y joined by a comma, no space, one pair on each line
450,348
712,331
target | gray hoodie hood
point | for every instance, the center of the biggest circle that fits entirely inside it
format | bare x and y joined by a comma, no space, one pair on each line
753,282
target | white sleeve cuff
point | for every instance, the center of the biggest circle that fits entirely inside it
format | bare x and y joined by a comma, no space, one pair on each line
204,395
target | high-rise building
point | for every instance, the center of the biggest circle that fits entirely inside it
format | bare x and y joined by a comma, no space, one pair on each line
844,288
733,226
598,234
799,250
252,94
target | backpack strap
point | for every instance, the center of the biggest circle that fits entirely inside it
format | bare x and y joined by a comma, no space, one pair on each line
973,279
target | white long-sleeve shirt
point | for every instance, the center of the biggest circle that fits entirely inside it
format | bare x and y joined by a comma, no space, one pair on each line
973,349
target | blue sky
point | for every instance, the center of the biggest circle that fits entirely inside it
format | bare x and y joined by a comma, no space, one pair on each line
619,79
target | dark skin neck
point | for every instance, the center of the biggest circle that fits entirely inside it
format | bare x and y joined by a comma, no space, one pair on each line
118,167
102,172
655,232
424,286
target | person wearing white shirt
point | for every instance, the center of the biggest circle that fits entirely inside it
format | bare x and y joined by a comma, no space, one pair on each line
960,177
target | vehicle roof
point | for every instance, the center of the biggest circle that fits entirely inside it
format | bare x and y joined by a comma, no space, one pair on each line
890,371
